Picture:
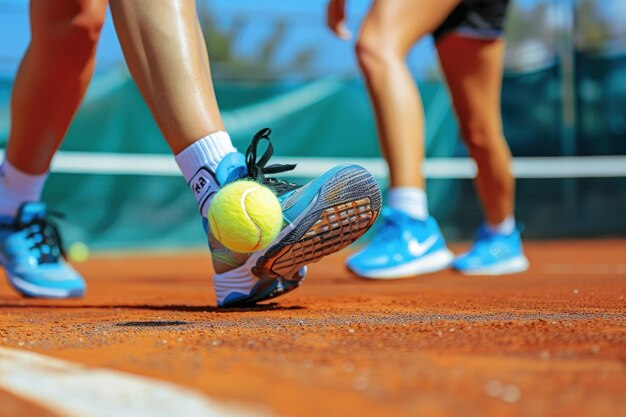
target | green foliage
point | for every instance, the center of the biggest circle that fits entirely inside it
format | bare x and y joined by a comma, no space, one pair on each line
227,64
592,30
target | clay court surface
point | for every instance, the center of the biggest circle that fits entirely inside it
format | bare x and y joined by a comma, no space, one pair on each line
549,342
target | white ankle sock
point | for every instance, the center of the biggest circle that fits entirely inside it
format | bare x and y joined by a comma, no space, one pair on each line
198,163
506,227
411,201
17,188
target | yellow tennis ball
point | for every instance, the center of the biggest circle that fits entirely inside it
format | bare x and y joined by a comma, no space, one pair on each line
245,216
78,252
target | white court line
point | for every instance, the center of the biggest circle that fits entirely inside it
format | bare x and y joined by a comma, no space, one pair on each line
312,167
74,390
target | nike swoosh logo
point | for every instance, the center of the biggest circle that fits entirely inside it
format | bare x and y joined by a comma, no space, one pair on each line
417,248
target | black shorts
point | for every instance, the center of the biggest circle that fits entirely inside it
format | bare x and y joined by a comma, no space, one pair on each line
482,19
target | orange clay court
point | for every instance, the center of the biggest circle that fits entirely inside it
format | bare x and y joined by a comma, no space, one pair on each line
549,342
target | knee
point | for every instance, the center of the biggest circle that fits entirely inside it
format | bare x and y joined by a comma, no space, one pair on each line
73,33
374,52
481,136
380,45
86,27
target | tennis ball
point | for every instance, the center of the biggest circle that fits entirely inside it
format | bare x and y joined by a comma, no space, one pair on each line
78,252
245,216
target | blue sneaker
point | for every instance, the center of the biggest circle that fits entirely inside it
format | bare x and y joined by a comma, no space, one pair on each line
320,218
493,254
32,255
403,247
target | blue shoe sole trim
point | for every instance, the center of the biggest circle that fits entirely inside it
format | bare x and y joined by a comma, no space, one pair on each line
432,262
508,266
29,289
36,291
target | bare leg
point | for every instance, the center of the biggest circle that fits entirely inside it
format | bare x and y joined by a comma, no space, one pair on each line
52,78
473,69
389,31
166,54
49,86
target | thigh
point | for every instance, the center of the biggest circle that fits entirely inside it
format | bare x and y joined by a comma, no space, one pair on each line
401,23
471,49
473,70
48,16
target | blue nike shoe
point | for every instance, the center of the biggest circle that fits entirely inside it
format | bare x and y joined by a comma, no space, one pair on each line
32,255
403,247
319,218
493,254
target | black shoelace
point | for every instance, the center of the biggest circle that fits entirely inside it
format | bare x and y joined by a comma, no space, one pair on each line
257,169
45,238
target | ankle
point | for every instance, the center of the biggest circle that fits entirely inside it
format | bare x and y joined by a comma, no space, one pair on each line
505,227
411,201
199,162
17,188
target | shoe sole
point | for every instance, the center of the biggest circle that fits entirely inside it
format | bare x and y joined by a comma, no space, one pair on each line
427,264
339,216
512,266
29,289
266,289
34,291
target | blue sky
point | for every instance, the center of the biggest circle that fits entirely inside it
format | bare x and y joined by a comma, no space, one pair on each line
307,29
14,26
